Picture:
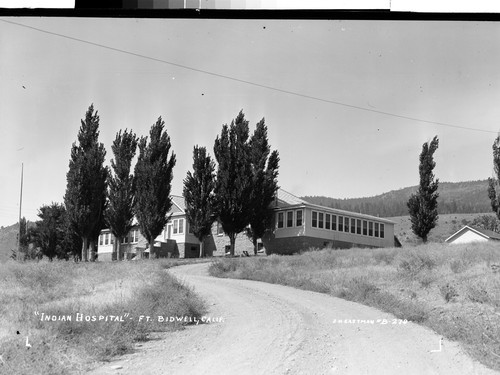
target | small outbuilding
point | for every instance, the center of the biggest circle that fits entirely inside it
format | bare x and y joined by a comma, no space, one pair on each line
470,234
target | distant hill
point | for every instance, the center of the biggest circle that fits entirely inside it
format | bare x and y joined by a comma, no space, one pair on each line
8,240
454,198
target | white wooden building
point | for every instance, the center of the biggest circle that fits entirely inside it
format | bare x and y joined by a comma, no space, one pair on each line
470,234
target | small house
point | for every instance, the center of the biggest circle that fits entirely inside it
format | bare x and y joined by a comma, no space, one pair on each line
470,234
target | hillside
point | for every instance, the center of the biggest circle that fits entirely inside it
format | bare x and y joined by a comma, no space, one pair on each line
454,197
8,238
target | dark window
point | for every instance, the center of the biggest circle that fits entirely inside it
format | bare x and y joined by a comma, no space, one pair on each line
370,229
382,234
112,238
280,219
314,219
320,220
334,222
299,218
341,223
346,224
359,226
327,221
289,219
100,240
353,225
376,229
365,228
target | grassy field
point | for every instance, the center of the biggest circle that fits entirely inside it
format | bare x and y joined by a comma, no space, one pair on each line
124,290
450,289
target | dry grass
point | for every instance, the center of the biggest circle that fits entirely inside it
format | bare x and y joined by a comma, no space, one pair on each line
92,289
451,289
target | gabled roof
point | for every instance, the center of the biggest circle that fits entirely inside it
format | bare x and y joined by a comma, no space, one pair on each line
488,234
284,198
178,205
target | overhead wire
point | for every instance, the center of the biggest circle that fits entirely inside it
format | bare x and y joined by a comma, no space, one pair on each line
219,75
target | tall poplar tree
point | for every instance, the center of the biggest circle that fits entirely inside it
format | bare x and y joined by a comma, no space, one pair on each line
199,195
153,178
493,182
422,206
85,197
233,186
265,166
120,213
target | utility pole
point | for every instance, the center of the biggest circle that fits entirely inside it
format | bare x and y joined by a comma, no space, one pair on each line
20,205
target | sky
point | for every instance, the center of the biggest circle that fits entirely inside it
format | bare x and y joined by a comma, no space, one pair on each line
348,103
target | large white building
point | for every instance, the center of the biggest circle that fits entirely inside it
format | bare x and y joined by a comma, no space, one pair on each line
297,226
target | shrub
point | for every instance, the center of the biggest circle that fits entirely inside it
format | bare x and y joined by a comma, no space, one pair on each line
426,278
476,292
416,261
358,289
221,267
384,256
457,266
448,292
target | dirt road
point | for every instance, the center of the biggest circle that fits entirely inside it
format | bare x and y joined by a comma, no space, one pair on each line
272,329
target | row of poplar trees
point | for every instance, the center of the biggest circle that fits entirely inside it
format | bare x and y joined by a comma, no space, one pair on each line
237,193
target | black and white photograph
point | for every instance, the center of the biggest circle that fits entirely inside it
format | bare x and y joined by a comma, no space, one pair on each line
255,191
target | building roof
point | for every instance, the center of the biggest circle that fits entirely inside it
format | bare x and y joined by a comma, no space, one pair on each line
488,234
178,204
288,200
284,198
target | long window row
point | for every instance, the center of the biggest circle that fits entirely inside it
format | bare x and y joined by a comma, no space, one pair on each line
109,238
290,219
323,220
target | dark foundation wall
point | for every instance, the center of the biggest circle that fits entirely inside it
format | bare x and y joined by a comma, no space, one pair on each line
215,244
167,249
189,250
